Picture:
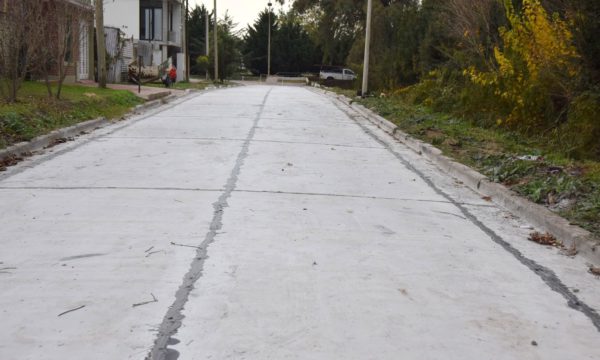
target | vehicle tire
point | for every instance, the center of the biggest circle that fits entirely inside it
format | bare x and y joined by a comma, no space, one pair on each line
329,78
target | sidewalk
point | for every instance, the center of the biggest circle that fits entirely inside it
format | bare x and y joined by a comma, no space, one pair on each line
146,92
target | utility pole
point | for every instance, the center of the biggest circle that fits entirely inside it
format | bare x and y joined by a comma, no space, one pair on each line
216,44
269,45
101,50
187,42
207,27
365,80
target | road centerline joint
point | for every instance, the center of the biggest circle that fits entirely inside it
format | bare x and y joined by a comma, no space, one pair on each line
174,316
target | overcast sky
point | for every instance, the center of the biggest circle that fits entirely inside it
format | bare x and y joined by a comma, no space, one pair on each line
243,12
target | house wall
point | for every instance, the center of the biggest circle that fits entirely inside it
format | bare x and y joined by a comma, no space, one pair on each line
124,15
178,13
81,64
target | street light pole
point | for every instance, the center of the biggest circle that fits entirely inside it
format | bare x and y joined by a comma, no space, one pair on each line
207,27
216,44
187,41
365,80
269,45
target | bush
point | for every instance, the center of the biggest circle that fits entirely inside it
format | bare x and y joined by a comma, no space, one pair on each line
536,72
201,65
579,135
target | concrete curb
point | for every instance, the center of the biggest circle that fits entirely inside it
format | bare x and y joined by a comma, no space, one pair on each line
538,215
43,141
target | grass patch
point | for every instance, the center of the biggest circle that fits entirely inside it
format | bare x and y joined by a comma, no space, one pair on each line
182,85
35,114
528,165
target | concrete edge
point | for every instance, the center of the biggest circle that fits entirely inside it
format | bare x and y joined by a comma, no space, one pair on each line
539,216
43,141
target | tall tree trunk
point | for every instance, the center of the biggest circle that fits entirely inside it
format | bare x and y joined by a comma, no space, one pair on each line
48,85
13,90
101,44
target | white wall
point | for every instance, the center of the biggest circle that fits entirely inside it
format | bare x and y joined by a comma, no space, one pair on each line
181,68
177,23
123,14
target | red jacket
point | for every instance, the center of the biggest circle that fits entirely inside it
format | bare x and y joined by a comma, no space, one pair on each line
173,74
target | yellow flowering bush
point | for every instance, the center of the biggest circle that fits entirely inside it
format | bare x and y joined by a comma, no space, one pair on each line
536,69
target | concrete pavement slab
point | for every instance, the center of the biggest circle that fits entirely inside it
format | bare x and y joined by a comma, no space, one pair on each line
301,271
368,279
134,163
102,249
268,223
96,226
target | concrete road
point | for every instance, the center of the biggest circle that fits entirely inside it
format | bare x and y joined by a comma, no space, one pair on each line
272,223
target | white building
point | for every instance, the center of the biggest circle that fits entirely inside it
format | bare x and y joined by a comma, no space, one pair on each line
156,27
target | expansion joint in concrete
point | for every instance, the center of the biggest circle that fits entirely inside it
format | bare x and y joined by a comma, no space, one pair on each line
174,317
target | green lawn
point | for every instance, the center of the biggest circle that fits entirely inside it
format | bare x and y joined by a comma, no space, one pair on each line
566,186
35,114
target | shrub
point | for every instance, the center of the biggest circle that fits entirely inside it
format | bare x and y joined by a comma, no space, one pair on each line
536,72
579,135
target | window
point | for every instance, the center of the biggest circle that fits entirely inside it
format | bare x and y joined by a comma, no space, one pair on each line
151,24
158,24
69,44
170,16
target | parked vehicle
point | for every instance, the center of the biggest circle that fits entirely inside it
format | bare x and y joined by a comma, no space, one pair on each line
337,74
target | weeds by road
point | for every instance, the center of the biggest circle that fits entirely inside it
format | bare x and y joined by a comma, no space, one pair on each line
35,114
530,166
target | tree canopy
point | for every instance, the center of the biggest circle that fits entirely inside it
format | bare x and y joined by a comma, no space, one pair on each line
292,49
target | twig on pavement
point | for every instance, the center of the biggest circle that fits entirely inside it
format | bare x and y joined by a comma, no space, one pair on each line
184,245
153,252
154,299
4,270
68,311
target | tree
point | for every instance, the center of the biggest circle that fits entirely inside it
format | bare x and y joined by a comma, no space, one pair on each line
584,15
19,37
293,49
101,45
63,22
230,56
255,43
472,30
202,64
537,68
197,36
39,39
338,25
